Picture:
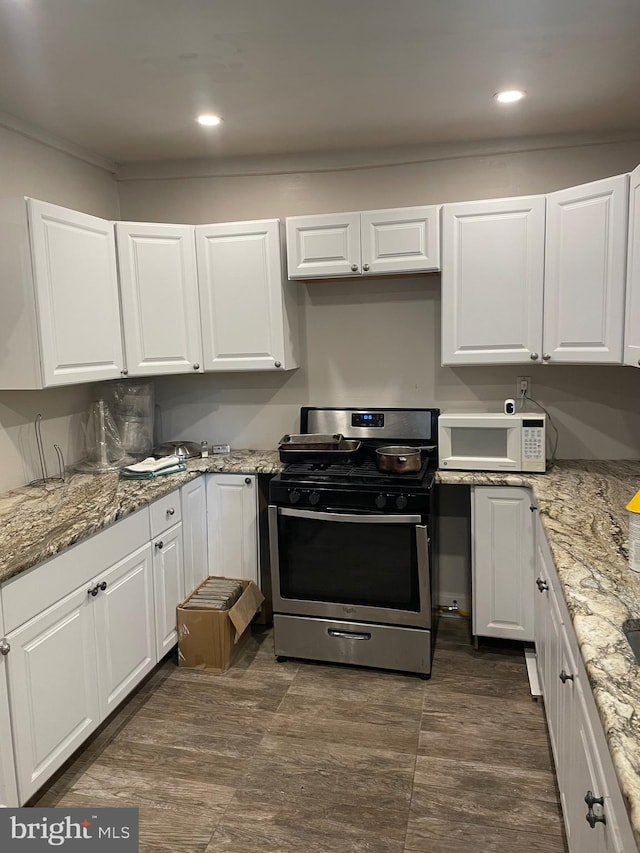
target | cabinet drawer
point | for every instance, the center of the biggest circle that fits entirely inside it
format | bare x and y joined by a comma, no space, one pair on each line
165,512
38,588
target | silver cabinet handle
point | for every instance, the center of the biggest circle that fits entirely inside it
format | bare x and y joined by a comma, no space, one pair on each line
349,635
354,267
278,364
546,356
542,585
160,545
196,366
124,371
171,511
365,267
534,356
247,480
5,646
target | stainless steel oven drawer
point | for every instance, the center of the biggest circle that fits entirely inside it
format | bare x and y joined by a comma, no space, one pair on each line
357,643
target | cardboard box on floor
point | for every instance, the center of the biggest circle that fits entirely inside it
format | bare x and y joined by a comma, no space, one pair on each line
211,639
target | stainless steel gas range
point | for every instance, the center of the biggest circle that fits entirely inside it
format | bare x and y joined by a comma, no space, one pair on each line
351,547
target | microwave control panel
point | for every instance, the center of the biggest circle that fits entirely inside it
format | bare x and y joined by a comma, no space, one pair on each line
533,444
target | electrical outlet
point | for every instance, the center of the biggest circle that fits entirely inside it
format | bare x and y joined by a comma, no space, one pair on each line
523,386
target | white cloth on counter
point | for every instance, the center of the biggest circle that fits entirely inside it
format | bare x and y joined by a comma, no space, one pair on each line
150,467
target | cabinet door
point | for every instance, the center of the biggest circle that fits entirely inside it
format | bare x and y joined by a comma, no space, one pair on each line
76,286
400,240
53,688
244,315
585,273
586,779
159,292
168,587
8,788
492,281
548,642
324,245
124,627
503,563
232,526
194,533
632,313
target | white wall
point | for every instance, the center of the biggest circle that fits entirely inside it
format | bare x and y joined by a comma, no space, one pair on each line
377,341
30,168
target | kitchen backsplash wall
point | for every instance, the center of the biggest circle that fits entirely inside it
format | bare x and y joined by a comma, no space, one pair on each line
32,169
377,341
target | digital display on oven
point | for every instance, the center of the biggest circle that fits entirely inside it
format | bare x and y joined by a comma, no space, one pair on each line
367,419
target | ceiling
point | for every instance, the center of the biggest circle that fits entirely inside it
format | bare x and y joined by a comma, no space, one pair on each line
124,79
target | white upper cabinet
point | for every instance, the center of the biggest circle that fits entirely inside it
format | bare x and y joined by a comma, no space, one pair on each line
60,322
159,292
632,314
249,313
402,240
374,242
492,281
585,273
323,245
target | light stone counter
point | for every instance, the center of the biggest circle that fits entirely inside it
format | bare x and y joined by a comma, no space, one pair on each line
582,507
37,522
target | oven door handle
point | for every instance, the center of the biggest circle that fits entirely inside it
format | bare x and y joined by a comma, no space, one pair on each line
357,518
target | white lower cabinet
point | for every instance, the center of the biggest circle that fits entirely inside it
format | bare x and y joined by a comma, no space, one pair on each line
8,788
503,562
232,511
168,585
595,817
79,637
124,627
53,687
193,498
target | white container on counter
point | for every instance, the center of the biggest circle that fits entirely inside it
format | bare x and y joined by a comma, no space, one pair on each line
634,532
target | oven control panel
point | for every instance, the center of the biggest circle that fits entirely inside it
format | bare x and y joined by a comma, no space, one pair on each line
341,499
367,419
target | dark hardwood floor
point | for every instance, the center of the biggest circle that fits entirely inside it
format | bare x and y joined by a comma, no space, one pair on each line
318,758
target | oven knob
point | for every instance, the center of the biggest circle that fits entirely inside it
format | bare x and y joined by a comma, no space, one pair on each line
381,501
314,498
294,496
401,501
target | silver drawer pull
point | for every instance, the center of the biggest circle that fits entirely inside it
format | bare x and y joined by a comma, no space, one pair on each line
349,635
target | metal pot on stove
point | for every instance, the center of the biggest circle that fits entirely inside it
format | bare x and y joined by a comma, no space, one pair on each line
398,459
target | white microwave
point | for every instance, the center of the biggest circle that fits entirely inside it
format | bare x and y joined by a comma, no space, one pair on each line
482,441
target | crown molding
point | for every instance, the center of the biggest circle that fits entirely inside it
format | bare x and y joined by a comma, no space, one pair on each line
350,160
37,134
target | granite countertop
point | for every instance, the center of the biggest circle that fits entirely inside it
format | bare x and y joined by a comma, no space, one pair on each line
37,522
582,507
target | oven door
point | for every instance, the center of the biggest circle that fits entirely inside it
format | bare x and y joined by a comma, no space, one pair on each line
356,566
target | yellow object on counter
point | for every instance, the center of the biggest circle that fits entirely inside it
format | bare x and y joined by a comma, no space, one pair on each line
634,532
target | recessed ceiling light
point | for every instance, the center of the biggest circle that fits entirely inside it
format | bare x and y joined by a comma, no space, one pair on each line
209,120
509,96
